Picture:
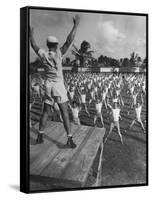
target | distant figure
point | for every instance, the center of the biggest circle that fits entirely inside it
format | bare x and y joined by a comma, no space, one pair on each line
115,115
104,95
138,109
82,100
75,109
98,115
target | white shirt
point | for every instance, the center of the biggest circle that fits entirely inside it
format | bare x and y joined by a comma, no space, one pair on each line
104,95
116,114
71,94
75,112
138,112
83,98
53,64
99,106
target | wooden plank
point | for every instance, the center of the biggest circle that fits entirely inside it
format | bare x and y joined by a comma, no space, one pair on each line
41,156
33,134
40,149
55,168
79,166
52,150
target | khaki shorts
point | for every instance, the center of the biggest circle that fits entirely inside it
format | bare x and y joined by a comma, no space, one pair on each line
115,123
76,121
55,89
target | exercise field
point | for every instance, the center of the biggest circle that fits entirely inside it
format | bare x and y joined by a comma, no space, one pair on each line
122,164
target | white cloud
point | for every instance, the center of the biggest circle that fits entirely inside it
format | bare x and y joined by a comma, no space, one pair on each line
109,38
108,32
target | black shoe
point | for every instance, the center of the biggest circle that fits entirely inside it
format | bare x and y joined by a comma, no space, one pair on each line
70,143
39,139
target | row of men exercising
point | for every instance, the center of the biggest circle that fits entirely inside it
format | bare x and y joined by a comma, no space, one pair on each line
105,91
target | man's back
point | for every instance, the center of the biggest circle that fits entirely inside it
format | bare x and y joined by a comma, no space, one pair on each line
53,64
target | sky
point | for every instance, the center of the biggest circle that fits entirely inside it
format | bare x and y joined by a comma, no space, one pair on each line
109,34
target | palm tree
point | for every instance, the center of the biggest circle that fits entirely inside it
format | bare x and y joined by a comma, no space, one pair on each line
126,62
133,59
144,63
84,55
139,61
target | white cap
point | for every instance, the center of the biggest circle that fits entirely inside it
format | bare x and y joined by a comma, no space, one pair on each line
52,39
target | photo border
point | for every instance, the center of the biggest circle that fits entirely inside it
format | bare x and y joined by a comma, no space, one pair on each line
24,98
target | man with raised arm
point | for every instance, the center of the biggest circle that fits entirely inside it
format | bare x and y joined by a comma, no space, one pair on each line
138,110
54,84
115,115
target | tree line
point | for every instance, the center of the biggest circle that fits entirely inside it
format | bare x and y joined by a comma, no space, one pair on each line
84,58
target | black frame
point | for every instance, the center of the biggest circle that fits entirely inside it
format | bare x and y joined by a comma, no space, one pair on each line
24,96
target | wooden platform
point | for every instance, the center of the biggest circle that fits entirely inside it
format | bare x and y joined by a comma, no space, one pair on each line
52,162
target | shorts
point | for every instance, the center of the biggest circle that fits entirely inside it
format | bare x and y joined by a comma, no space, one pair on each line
115,123
98,114
76,120
55,89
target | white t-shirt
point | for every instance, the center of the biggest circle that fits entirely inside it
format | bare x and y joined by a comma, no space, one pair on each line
75,112
53,64
83,98
116,114
138,112
71,94
98,107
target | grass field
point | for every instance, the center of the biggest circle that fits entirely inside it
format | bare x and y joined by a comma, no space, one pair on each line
123,164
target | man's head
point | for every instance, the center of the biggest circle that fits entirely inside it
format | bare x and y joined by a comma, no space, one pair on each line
52,43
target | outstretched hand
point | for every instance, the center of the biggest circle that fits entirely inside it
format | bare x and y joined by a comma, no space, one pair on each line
76,20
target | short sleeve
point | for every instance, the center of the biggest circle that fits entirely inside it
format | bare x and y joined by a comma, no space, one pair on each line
41,53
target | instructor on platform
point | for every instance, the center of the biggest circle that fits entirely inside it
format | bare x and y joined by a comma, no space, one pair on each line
54,81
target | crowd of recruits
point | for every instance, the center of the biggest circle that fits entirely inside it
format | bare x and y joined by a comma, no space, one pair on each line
101,90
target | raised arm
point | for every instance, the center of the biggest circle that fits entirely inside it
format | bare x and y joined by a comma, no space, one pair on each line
71,36
109,106
70,106
32,40
79,92
121,101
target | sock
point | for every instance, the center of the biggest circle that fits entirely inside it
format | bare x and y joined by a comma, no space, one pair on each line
41,132
69,135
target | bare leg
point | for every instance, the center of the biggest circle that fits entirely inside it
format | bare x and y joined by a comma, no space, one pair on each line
57,110
65,116
118,128
66,122
44,117
110,130
105,104
86,110
101,118
95,120
140,122
42,124
59,115
132,123
122,102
